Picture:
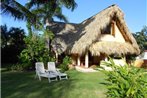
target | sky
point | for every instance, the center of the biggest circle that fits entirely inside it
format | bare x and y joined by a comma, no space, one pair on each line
135,13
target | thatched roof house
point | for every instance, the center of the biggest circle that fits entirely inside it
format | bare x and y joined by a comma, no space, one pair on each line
104,33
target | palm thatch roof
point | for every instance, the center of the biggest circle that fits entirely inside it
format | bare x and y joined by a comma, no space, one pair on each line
111,48
66,34
79,38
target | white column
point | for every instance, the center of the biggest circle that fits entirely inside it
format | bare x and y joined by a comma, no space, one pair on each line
56,57
86,60
106,59
78,61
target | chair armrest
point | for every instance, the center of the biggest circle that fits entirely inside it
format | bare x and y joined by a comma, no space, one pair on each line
58,69
46,70
50,72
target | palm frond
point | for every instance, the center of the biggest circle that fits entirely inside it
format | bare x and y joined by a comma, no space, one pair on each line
38,11
17,14
61,17
37,3
25,10
16,10
70,4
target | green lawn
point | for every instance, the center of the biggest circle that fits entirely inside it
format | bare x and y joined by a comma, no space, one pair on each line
79,85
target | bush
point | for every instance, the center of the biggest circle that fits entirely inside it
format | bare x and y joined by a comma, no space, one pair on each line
17,67
65,63
35,51
125,81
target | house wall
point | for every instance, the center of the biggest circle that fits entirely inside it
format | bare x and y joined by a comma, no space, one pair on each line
118,36
106,37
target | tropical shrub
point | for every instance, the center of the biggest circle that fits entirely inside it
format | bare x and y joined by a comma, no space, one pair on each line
125,81
65,63
16,67
35,51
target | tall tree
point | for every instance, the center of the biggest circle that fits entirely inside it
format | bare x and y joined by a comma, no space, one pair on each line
16,10
12,43
141,38
38,13
4,37
45,10
36,9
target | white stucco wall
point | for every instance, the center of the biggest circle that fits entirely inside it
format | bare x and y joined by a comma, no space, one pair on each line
118,36
107,37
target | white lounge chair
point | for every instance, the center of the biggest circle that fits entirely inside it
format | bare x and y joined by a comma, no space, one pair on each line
41,72
52,69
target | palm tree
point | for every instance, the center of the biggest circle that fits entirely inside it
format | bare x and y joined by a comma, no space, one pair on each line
38,12
69,4
16,10
45,10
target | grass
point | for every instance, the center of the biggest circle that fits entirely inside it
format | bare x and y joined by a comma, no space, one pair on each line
79,85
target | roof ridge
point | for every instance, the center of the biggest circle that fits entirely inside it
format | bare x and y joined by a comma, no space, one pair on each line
109,7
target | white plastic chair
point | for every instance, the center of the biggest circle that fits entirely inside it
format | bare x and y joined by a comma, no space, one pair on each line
41,72
52,69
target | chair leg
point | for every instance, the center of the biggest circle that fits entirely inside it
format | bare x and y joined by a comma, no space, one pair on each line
36,76
49,80
65,77
60,78
39,78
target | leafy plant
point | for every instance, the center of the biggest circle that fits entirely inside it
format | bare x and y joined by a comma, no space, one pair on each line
125,81
141,38
35,51
12,44
65,63
16,67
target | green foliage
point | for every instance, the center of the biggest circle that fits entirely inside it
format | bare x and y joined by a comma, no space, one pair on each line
48,34
12,43
35,51
141,38
65,63
46,10
18,67
37,12
15,67
125,82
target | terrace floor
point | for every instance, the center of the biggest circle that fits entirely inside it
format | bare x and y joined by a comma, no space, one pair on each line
83,69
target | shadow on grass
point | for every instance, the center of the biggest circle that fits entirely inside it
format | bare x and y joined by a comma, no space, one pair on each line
24,85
